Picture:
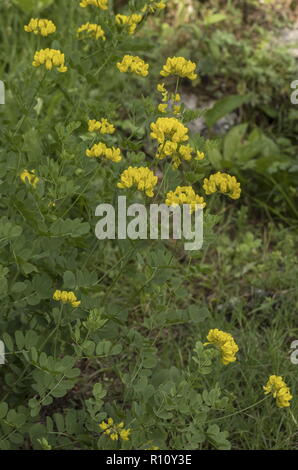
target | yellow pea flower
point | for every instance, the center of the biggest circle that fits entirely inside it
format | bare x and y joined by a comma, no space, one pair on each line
66,297
101,150
200,155
225,343
103,126
40,26
102,4
162,107
141,177
92,29
185,195
115,431
50,58
279,390
30,177
152,6
168,129
223,183
133,64
130,21
176,109
179,66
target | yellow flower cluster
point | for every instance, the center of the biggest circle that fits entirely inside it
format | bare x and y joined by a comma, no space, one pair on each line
153,6
185,195
223,183
225,343
162,107
50,58
66,297
92,30
200,155
131,21
40,26
175,98
29,176
168,129
103,4
279,390
101,150
186,153
115,431
103,126
162,89
142,177
133,64
170,134
179,66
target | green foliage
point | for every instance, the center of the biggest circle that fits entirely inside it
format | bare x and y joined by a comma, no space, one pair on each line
29,6
223,107
241,56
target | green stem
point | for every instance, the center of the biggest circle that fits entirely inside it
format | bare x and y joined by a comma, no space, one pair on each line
57,328
240,411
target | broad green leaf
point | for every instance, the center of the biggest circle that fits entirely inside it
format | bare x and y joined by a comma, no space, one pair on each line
3,410
98,391
8,341
32,5
214,18
69,280
59,420
19,287
224,106
20,339
232,141
215,157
